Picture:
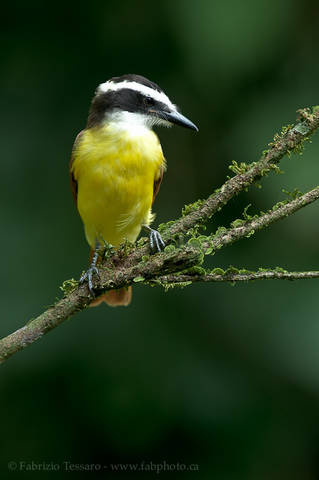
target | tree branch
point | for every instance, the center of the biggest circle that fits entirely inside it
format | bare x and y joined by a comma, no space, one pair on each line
180,264
291,140
234,275
248,228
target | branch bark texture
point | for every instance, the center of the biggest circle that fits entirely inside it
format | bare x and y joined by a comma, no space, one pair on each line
181,262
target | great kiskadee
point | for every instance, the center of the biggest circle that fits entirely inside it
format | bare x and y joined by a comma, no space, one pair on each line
117,166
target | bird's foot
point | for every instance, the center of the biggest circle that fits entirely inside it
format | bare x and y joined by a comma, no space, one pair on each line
156,241
88,275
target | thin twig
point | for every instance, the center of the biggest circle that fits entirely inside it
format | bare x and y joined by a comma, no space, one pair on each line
236,277
248,228
282,146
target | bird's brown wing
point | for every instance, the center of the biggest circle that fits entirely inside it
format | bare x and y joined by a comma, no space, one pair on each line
73,182
157,183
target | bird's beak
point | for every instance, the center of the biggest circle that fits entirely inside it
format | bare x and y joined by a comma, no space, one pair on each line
177,118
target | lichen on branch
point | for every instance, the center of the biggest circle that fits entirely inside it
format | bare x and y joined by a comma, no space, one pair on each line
182,261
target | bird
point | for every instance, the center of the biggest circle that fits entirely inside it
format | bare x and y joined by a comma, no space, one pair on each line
116,169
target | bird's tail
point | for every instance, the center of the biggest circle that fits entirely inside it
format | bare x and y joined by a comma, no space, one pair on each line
115,298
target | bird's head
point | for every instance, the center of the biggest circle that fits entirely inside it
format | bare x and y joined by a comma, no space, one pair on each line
133,98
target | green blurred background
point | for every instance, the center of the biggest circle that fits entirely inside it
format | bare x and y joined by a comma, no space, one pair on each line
226,377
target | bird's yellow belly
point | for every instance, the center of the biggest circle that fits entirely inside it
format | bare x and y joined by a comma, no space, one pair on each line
115,185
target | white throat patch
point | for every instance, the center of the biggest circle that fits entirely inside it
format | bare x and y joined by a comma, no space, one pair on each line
132,122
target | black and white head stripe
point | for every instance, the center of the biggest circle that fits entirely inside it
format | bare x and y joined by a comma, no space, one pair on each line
132,77
133,99
138,84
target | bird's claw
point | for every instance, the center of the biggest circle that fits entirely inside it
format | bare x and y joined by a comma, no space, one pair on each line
88,275
156,241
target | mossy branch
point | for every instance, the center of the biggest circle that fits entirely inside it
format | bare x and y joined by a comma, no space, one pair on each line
181,262
247,228
291,140
233,275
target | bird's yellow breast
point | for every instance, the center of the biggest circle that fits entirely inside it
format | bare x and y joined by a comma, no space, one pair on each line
115,170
